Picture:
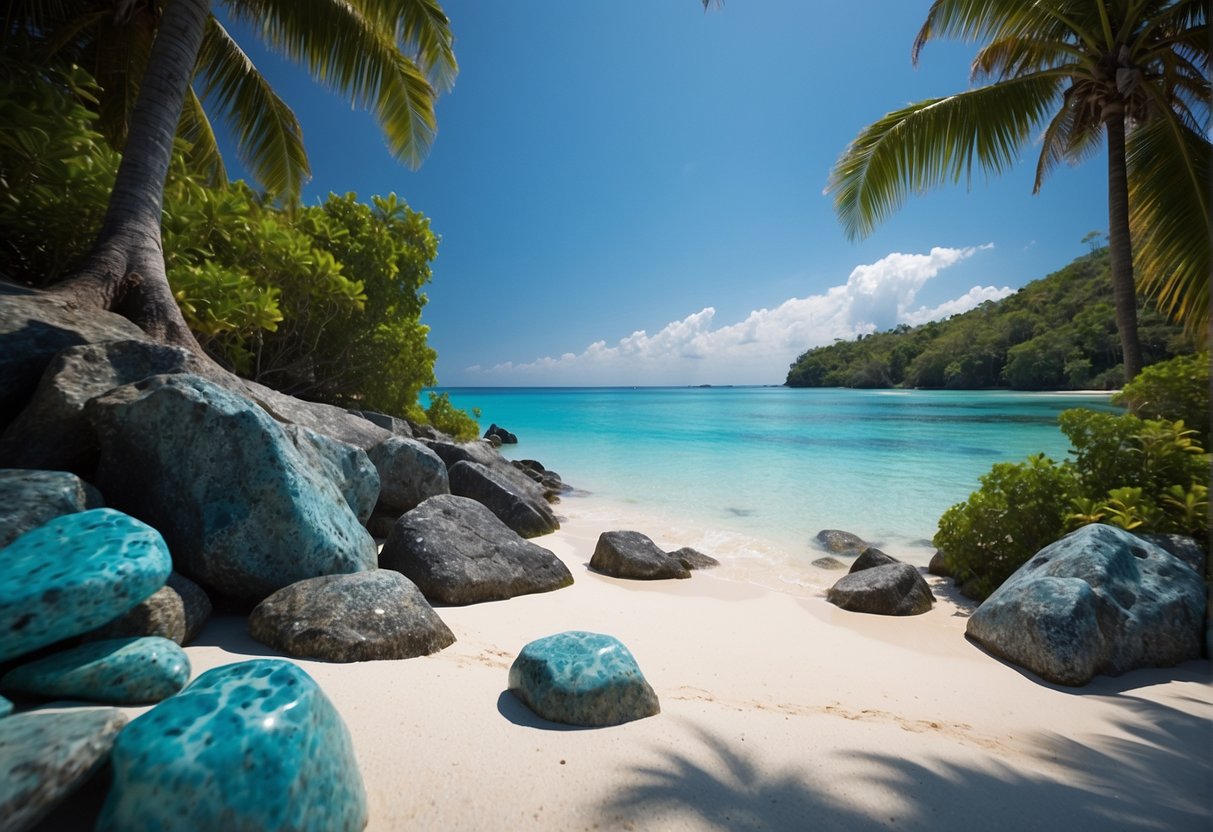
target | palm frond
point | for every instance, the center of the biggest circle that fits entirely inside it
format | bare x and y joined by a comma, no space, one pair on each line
1009,57
993,20
269,139
423,32
1169,170
1073,135
195,128
926,144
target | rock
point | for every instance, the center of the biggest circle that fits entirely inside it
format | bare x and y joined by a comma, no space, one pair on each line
553,486
939,565
399,427
6,707
518,509
350,618
176,611
46,755
694,559
581,678
34,327
841,543
30,498
409,472
52,432
829,563
871,557
458,552
892,589
627,554
73,574
380,525
1098,601
325,419
124,671
348,466
494,440
1185,548
253,745
242,510
503,435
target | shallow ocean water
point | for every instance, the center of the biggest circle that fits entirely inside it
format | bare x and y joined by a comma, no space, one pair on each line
752,473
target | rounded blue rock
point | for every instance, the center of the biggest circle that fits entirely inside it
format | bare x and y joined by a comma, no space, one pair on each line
121,671
248,746
582,678
75,573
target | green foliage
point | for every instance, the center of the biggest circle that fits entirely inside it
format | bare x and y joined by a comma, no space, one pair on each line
1057,333
449,419
1174,389
1143,475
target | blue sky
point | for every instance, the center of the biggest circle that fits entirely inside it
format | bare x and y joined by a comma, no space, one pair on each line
631,192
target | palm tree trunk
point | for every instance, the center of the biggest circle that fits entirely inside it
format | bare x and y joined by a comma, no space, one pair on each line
1120,247
124,272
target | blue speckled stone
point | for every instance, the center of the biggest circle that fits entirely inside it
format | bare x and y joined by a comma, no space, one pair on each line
74,574
120,671
582,678
248,746
6,707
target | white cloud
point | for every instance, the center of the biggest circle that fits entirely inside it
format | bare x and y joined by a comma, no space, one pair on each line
758,349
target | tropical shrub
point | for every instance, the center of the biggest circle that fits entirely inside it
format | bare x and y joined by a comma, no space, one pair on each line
449,419
1174,389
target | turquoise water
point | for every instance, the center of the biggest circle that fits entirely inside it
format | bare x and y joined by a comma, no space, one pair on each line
765,468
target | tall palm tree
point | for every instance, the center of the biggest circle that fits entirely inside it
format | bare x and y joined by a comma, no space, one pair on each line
392,56
1133,71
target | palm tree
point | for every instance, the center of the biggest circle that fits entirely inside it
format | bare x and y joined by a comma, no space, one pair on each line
1133,71
392,56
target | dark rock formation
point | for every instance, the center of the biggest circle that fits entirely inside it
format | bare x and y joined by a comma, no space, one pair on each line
840,543
30,498
505,437
176,611
1098,601
694,559
939,565
409,473
519,509
871,557
628,554
351,618
829,562
458,552
892,589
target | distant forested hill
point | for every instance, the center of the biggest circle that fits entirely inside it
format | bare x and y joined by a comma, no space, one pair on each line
1057,333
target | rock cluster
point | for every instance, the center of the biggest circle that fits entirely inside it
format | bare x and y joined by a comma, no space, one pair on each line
881,585
501,435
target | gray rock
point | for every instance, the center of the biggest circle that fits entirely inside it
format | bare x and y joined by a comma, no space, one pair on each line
399,427
521,510
176,611
348,466
1185,548
52,432
1098,601
458,552
242,510
409,473
123,671
452,453
694,559
30,498
829,562
871,557
628,554
892,589
551,483
324,419
47,755
504,436
351,618
939,565
34,327
840,543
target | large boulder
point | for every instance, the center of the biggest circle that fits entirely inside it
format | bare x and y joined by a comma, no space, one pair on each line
521,510
581,678
46,755
392,424
242,509
891,589
838,542
124,671
318,417
629,554
452,453
504,436
52,432
1098,601
694,559
348,466
870,558
409,473
551,482
175,611
351,618
253,745
30,498
1185,548
73,574
458,552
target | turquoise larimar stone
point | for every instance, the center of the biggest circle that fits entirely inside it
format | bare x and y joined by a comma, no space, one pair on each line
74,574
121,671
582,678
254,745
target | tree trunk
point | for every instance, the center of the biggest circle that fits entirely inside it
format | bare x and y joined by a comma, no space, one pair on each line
124,272
1120,247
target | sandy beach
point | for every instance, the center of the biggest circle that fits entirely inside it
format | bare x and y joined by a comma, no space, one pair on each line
779,711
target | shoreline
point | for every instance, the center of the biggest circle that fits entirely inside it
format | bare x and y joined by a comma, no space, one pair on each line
776,708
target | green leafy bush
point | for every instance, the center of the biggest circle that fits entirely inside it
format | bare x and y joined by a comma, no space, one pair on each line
449,419
1174,389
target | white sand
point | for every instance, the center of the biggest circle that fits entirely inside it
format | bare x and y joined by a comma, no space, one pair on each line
778,712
